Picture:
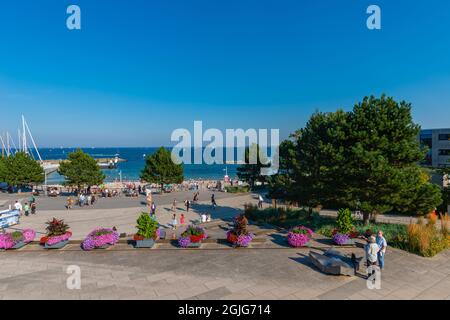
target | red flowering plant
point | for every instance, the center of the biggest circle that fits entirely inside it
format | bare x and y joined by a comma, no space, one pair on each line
192,234
57,231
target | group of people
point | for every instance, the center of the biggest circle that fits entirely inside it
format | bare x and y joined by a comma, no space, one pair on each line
375,251
88,199
28,208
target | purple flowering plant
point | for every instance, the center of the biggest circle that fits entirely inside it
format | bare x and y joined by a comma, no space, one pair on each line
299,236
99,238
341,238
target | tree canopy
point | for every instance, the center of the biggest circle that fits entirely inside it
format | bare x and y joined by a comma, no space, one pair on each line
20,169
365,159
160,168
81,170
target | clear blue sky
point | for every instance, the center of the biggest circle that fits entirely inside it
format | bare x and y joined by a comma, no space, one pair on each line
139,69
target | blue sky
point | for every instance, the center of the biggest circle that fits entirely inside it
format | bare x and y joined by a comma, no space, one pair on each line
139,69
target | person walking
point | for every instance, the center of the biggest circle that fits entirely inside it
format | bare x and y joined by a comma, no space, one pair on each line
213,201
382,244
187,204
153,208
26,209
182,219
174,205
33,207
260,201
18,206
372,250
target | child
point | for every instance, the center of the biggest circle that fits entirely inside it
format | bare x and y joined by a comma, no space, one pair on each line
182,219
26,209
174,221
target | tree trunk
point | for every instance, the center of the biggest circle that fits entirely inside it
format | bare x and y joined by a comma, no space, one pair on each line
366,217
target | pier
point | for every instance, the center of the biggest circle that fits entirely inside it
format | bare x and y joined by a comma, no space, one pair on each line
51,166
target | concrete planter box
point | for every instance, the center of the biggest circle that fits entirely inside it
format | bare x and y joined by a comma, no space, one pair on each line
58,245
19,245
194,245
146,243
349,242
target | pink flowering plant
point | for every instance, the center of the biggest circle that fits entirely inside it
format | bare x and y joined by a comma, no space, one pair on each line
57,231
299,236
10,239
100,237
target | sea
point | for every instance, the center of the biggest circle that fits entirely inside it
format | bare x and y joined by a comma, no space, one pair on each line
135,161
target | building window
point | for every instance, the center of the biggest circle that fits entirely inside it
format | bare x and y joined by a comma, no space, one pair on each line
444,152
444,136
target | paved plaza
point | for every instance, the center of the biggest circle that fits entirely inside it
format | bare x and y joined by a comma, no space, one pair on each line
267,270
213,274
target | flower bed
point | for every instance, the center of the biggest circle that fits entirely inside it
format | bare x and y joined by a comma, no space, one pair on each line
341,239
16,239
299,236
100,238
192,237
57,236
242,240
239,235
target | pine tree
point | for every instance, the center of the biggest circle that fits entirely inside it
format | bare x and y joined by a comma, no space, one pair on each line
81,170
160,168
21,170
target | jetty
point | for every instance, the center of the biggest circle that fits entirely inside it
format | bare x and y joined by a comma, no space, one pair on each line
51,166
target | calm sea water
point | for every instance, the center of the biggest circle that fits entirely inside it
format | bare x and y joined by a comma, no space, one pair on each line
135,163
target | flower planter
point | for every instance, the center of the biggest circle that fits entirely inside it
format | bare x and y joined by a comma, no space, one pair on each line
242,241
58,245
19,245
17,239
299,236
343,240
192,237
100,238
145,243
194,245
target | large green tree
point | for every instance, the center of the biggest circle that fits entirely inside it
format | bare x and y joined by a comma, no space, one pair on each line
20,170
81,170
254,161
365,159
159,168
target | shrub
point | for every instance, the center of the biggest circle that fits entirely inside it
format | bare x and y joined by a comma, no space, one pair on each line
426,239
237,189
344,221
147,227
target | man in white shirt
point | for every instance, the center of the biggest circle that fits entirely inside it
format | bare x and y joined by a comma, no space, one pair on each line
18,206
